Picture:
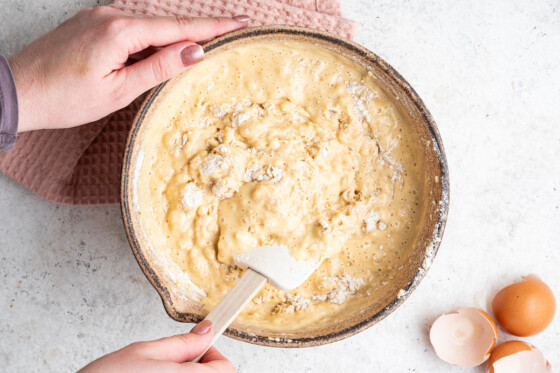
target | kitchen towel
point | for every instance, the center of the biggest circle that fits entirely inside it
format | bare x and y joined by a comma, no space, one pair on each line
82,165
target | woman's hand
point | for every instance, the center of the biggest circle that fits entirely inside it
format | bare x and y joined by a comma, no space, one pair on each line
76,73
167,355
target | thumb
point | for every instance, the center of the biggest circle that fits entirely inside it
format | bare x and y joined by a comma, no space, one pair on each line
160,66
183,347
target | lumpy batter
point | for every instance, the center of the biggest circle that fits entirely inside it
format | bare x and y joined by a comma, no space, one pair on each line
283,143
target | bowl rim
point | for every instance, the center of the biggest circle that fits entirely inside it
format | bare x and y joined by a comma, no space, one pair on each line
439,228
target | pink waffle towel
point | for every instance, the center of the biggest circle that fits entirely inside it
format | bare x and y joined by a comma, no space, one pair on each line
82,165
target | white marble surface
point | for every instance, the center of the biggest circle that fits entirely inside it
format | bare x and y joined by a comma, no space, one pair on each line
489,71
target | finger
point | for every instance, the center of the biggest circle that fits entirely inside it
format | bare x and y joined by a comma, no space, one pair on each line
221,366
143,54
161,31
159,67
213,361
212,355
182,347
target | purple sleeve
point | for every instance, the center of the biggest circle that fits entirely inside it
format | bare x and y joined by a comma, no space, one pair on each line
8,107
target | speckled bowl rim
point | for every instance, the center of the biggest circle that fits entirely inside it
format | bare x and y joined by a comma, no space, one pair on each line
439,226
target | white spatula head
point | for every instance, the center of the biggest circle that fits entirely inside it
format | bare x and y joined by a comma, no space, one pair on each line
276,264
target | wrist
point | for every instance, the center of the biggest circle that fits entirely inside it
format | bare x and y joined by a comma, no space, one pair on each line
23,89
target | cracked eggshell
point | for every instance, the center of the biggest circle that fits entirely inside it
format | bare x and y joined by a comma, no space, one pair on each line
517,357
465,337
525,308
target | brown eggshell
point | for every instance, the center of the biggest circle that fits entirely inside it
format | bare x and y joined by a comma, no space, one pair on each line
525,308
465,337
517,356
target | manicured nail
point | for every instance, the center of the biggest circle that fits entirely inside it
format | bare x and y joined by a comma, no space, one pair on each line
202,327
192,54
241,18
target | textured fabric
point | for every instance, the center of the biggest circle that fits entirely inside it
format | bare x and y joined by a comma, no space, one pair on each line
8,107
82,165
262,12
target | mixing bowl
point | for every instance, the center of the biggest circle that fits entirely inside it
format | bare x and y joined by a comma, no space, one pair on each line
399,282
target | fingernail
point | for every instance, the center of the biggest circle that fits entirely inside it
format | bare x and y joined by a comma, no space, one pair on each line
241,18
202,327
192,54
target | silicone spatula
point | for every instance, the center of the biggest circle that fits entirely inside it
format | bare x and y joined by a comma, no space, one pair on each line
266,263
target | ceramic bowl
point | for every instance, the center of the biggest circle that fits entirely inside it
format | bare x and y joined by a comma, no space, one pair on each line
401,283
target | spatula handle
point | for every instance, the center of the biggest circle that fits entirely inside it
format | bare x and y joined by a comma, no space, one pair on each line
231,305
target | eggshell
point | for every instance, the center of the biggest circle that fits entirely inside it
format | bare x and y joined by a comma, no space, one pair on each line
525,308
517,357
465,337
